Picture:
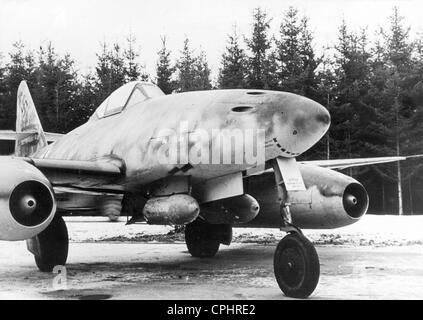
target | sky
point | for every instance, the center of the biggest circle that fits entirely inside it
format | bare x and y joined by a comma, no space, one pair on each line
78,26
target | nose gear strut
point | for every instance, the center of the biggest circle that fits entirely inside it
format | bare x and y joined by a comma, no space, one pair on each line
296,263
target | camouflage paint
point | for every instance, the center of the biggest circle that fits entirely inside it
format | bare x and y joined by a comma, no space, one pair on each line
292,125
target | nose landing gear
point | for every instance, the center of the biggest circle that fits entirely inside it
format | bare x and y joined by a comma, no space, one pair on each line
295,263
296,266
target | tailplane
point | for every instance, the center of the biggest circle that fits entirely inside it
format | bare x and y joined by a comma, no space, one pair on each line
30,135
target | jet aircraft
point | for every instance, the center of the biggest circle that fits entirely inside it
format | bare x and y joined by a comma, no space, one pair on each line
118,151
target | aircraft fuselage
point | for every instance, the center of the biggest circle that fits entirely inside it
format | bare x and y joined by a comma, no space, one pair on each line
291,124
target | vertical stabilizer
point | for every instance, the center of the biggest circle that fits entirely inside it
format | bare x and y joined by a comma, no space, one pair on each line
30,136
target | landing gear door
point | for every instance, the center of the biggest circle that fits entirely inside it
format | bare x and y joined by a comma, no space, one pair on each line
288,173
299,197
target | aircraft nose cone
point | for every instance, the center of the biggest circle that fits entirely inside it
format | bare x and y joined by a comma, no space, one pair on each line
302,124
323,117
310,117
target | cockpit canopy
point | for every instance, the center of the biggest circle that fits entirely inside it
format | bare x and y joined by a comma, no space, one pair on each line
127,96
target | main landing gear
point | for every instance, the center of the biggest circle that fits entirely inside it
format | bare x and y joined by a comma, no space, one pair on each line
203,239
50,247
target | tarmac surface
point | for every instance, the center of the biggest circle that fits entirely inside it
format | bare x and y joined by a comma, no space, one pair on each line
148,270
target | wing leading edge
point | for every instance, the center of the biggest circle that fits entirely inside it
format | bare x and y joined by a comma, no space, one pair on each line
102,173
349,163
340,164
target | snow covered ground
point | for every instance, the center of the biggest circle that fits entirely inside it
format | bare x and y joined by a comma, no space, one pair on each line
377,230
380,257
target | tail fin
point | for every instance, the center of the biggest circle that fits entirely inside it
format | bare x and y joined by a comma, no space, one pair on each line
30,134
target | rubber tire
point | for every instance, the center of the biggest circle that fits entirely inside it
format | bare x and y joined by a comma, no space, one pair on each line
112,208
296,266
201,239
54,245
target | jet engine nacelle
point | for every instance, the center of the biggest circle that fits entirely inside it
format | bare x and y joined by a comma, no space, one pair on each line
27,203
331,199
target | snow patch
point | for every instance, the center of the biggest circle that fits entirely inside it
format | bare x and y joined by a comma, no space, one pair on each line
371,230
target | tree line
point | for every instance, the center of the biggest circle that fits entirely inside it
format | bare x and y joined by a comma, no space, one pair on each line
372,88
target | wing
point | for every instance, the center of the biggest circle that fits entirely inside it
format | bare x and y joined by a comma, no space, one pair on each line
102,174
13,135
340,164
348,163
107,174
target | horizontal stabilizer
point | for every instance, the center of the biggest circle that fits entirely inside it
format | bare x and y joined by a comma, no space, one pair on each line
13,135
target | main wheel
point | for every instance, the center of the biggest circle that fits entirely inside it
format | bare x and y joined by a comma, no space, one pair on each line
201,239
53,245
296,266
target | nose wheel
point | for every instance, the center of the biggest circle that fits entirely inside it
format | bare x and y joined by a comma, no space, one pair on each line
296,266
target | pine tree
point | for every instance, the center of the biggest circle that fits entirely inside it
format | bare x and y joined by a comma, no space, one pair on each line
110,70
185,68
351,114
232,73
20,67
117,66
258,45
103,74
201,73
3,93
310,63
296,57
326,93
47,91
133,69
57,89
288,52
86,102
164,69
193,70
391,78
68,90
270,71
